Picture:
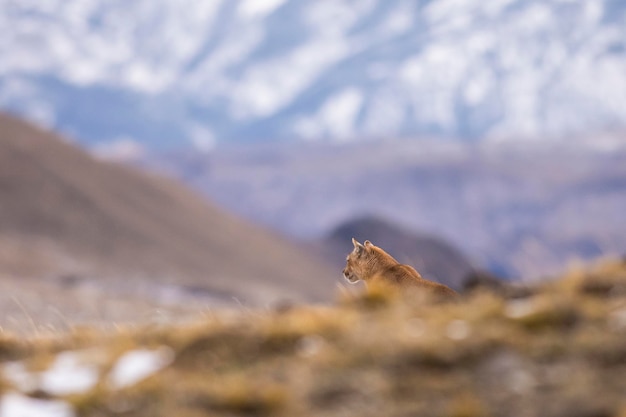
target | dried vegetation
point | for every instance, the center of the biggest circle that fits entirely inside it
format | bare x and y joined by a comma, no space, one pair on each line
558,349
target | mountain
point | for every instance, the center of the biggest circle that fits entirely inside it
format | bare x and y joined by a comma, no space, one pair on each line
171,74
432,257
65,216
516,209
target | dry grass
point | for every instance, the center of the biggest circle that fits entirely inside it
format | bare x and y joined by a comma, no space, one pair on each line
559,352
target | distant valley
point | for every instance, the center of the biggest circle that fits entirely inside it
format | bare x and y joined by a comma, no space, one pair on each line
518,209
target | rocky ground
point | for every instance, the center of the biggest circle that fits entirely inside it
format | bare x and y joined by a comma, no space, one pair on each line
554,350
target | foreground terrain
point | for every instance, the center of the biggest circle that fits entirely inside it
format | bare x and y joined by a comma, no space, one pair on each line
554,350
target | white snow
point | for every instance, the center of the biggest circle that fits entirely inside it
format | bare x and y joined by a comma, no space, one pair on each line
481,42
141,45
536,17
139,364
74,372
439,59
477,87
333,18
258,8
442,10
271,85
385,112
399,20
593,11
210,79
13,404
336,117
71,373
340,111
493,7
411,70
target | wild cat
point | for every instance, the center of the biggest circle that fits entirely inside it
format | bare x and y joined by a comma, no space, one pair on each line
374,266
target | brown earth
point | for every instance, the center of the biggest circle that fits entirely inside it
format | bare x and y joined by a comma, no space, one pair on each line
67,216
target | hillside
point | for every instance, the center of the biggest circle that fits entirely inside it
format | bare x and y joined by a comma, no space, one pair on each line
520,210
189,74
71,218
560,351
433,258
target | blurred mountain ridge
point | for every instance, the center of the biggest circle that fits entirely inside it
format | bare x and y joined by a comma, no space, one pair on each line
516,209
66,217
165,74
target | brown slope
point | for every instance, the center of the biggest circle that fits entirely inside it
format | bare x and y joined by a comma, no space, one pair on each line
64,212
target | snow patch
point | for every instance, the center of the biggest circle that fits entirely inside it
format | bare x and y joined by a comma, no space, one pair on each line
385,113
145,78
139,364
340,111
411,70
493,7
476,89
335,18
13,404
210,79
258,8
536,18
271,85
336,118
71,373
400,20
442,10
593,11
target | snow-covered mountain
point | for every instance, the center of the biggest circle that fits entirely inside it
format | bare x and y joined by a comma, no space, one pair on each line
165,73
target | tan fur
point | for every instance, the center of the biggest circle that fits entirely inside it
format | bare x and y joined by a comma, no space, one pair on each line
374,266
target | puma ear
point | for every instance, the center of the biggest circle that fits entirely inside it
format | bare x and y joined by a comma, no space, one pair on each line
368,244
357,246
